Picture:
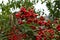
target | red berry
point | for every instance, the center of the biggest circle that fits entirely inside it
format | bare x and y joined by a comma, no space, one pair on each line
24,35
20,22
33,27
35,20
45,38
23,9
38,37
58,27
51,31
29,21
40,22
42,18
17,15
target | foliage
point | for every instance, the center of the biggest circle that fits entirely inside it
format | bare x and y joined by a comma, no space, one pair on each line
11,25
53,8
28,27
5,18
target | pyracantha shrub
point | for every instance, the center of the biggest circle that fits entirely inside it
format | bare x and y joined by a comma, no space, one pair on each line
28,27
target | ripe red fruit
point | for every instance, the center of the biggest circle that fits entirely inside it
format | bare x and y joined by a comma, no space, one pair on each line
40,23
38,37
35,20
47,24
34,15
33,27
27,14
22,16
58,27
17,15
42,18
24,35
23,9
20,22
51,31
29,21
40,33
15,37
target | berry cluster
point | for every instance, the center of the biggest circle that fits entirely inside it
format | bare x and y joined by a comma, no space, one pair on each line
39,28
